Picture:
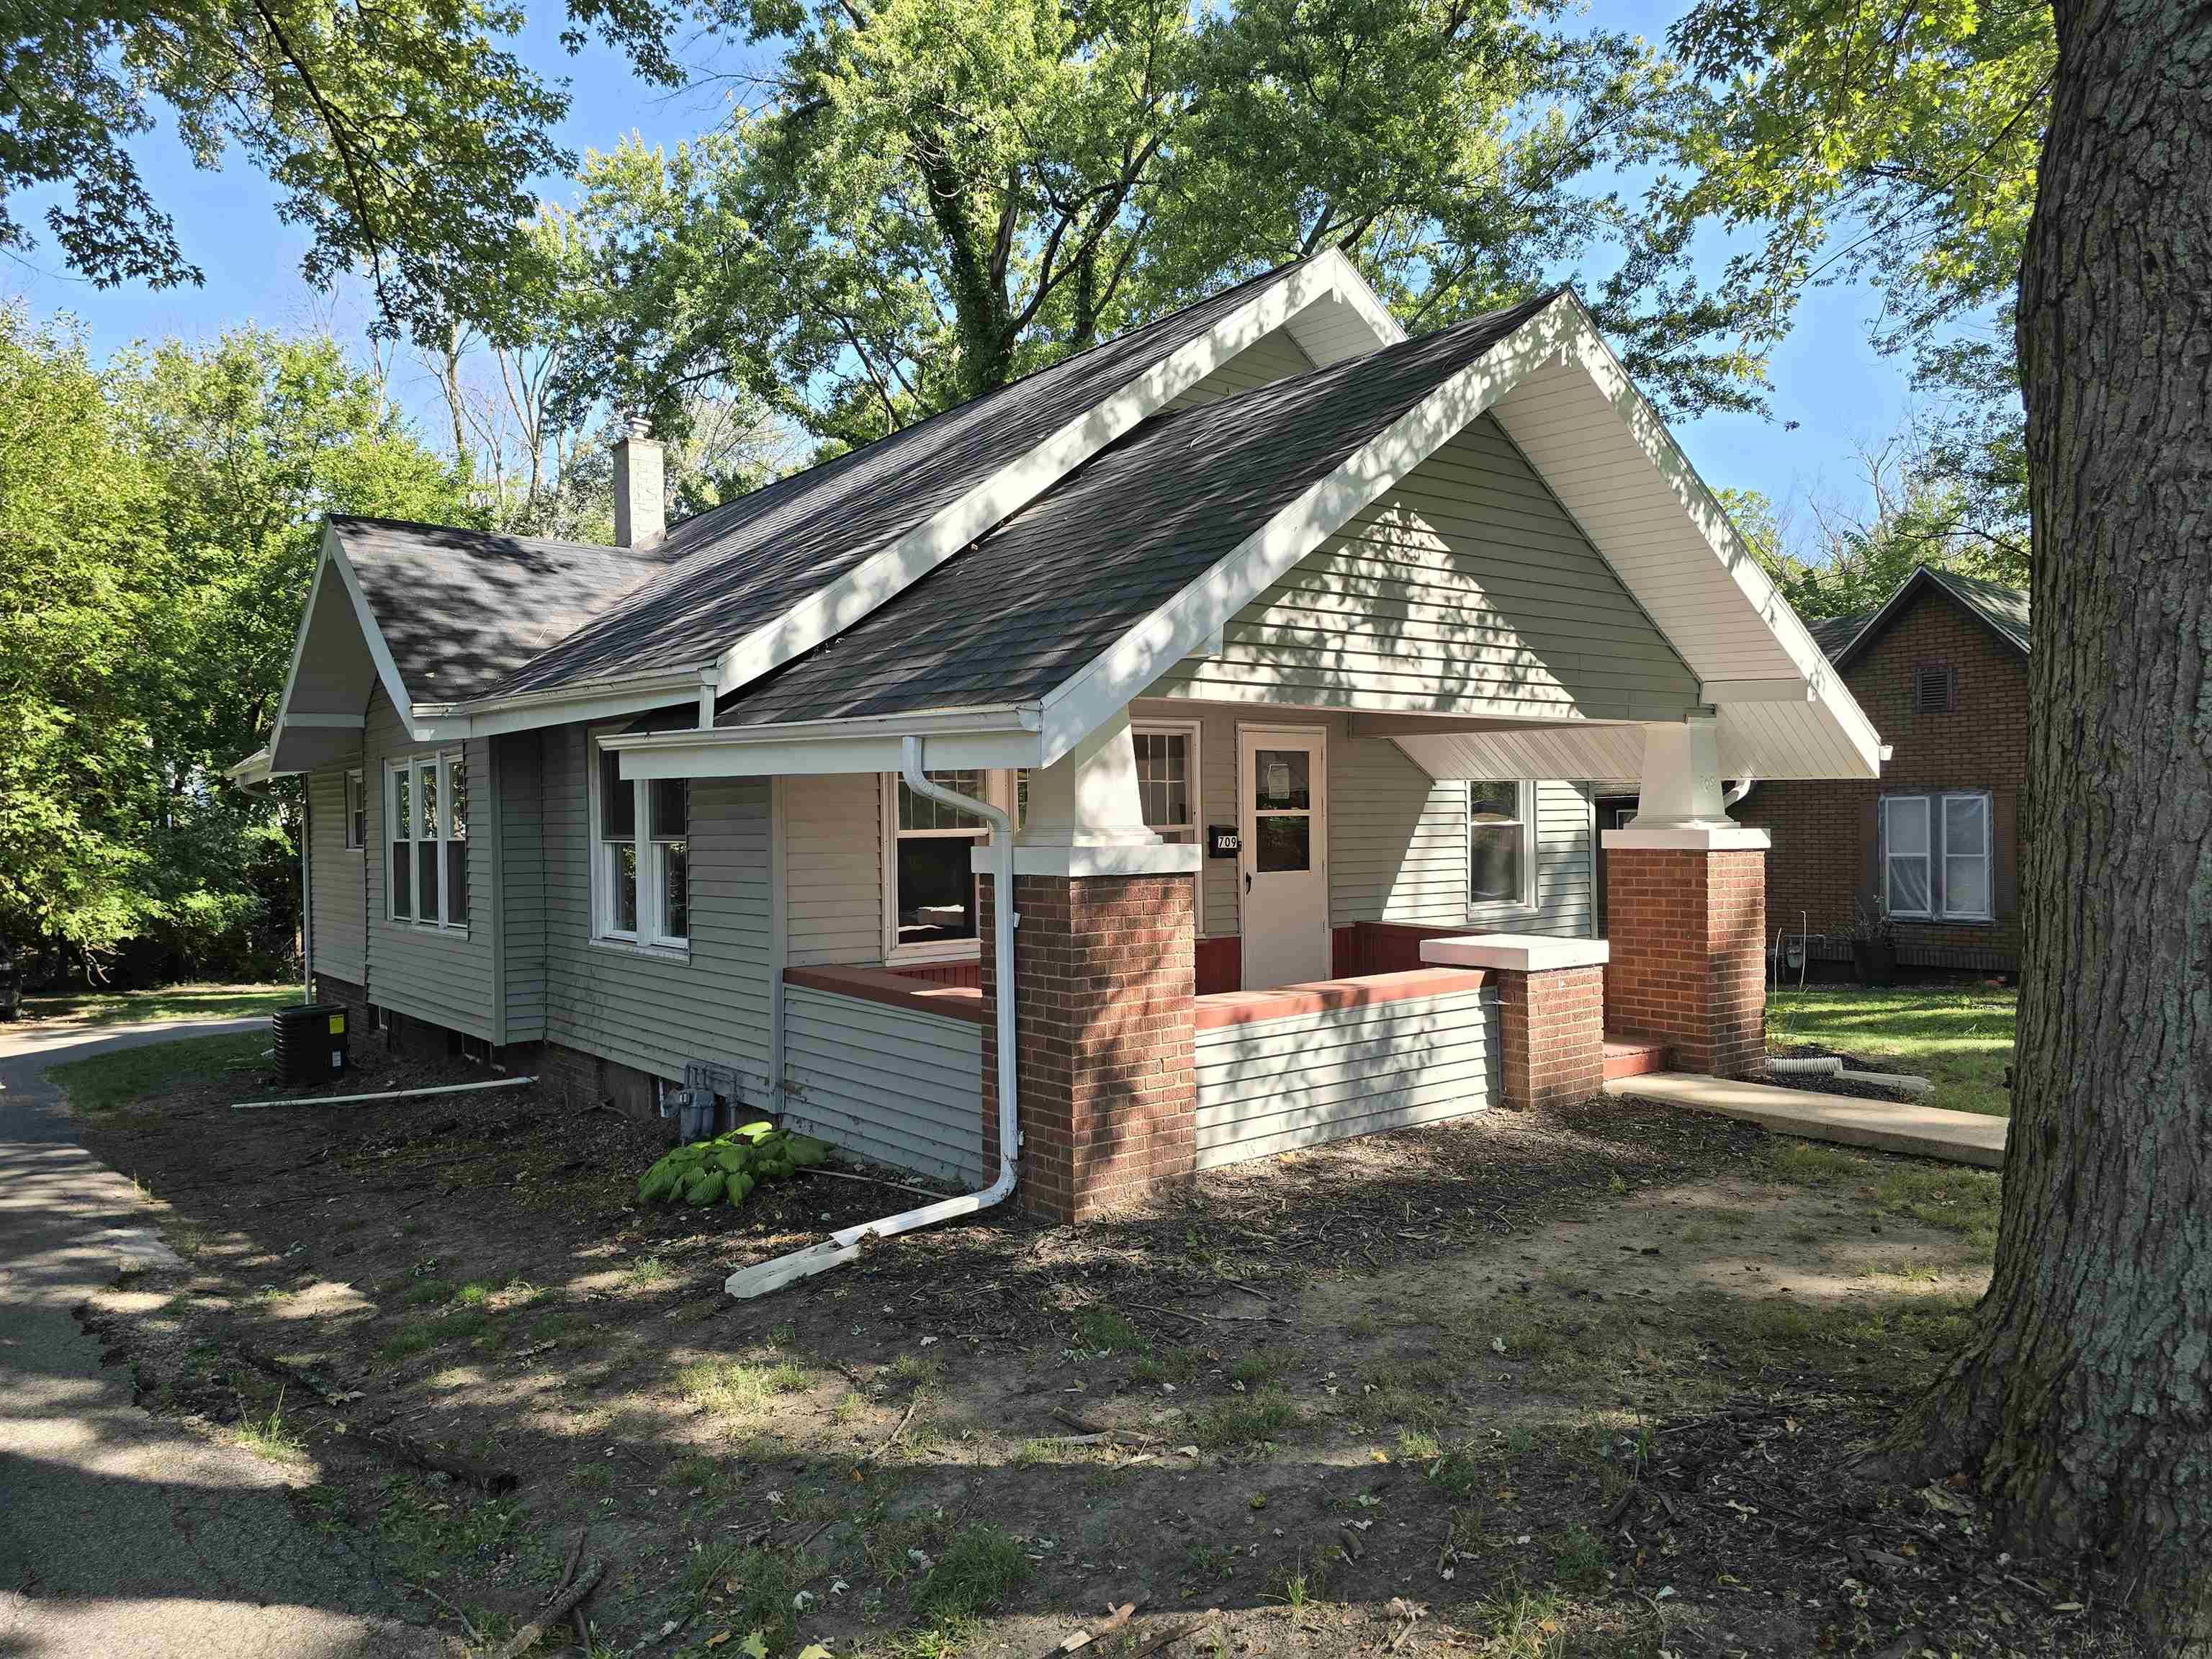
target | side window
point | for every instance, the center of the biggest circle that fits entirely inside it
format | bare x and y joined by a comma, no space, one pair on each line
1500,850
1907,856
357,812
641,856
426,834
1167,779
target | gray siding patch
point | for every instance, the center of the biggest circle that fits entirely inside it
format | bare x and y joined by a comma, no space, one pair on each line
1272,1085
441,976
338,882
833,869
888,1086
653,1011
519,757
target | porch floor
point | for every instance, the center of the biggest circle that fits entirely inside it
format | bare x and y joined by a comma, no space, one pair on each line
1884,1126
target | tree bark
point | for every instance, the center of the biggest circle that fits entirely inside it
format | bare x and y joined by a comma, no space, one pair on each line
2084,1399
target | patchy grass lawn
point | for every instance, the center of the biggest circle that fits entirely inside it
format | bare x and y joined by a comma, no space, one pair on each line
1547,1385
1959,1037
106,1082
172,1002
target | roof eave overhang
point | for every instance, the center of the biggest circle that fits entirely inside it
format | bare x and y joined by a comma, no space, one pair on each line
1561,332
990,737
585,700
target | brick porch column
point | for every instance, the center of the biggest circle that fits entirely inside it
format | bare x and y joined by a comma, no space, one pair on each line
1105,975
1686,919
1104,981
1551,1013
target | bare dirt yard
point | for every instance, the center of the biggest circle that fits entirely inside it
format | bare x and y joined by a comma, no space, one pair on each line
1594,1381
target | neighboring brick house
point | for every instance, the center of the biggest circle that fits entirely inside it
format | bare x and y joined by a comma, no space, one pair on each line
1942,670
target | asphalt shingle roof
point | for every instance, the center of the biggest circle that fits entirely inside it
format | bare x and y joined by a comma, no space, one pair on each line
460,609
1013,617
742,564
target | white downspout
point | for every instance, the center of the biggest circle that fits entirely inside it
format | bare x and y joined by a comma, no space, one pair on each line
843,1245
1745,785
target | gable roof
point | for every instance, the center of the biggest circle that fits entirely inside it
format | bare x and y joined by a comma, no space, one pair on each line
1020,612
462,609
2004,610
745,565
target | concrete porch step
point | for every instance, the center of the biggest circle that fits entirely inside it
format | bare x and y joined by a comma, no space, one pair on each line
1631,1056
1885,1126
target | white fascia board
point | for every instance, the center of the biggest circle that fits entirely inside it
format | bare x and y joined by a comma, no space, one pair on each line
592,700
1587,348
990,739
877,580
251,772
388,670
1182,625
1349,286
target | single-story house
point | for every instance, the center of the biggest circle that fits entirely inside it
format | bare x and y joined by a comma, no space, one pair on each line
1264,653
1934,844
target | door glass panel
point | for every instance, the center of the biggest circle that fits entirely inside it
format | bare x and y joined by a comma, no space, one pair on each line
1285,843
1280,783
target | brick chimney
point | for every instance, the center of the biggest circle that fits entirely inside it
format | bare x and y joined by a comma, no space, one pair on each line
641,501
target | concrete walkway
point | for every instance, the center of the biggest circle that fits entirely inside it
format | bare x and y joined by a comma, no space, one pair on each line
120,1533
1885,1126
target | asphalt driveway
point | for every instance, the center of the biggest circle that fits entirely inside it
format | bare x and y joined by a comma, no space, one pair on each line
121,1534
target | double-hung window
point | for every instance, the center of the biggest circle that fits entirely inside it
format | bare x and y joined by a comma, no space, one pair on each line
931,897
1937,861
640,857
357,812
1167,779
1501,854
426,830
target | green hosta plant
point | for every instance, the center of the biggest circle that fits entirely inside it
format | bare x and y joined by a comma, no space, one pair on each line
729,1166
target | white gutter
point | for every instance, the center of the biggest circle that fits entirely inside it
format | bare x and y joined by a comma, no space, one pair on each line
843,1245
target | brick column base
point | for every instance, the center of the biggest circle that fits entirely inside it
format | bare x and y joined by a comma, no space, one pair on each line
1686,920
1552,1033
1104,969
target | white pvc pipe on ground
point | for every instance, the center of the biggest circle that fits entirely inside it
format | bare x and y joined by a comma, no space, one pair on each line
389,1094
1825,1066
846,1243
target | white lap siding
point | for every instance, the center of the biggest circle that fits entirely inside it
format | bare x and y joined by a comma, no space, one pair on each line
1275,357
888,1086
653,1011
338,931
1270,1085
445,976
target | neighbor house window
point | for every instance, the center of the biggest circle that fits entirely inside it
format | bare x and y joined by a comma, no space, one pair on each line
1937,857
356,812
640,857
1501,853
1167,779
929,880
426,819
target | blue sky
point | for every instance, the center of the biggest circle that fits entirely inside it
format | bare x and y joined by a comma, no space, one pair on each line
1830,393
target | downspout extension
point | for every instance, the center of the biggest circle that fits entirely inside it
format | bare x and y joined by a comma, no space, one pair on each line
848,1242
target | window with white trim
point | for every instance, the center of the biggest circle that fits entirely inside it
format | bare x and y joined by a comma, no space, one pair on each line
1167,778
640,858
1501,843
426,833
1938,860
357,812
930,904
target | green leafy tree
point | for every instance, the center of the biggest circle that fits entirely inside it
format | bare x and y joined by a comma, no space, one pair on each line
403,136
932,196
158,522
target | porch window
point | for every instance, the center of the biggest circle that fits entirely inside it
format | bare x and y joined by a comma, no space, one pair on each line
1501,858
1167,779
426,817
640,858
1937,857
930,897
357,812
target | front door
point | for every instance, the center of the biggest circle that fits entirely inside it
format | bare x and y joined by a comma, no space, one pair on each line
1282,773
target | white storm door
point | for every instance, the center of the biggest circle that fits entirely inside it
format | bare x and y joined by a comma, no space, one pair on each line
1282,774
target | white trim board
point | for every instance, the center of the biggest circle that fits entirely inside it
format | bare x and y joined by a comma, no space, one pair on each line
878,579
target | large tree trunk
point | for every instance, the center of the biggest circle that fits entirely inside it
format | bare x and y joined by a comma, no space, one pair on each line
2085,1399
